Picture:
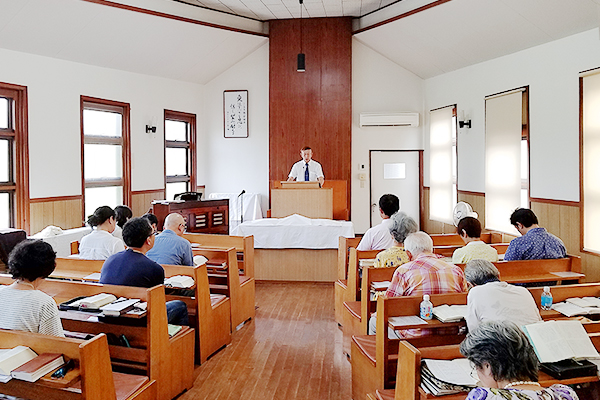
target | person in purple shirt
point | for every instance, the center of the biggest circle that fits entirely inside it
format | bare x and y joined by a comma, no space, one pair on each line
535,243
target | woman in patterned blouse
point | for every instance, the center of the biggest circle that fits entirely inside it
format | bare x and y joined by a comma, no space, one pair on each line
401,226
506,365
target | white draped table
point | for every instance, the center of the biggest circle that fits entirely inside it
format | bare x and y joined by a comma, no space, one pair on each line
295,248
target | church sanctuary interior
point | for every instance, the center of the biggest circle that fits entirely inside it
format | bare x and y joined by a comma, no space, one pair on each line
476,105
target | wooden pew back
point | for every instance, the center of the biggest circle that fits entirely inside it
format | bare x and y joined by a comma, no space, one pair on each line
344,255
244,245
353,271
368,306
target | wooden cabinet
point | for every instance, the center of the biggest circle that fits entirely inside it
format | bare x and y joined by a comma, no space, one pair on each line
210,216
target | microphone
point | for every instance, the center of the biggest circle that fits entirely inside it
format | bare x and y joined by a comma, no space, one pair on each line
243,191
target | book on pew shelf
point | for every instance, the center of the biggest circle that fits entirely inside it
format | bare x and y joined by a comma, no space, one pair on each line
174,329
33,370
383,285
179,281
95,276
453,313
199,260
567,369
118,307
560,340
366,262
584,301
94,302
12,359
437,376
406,320
570,309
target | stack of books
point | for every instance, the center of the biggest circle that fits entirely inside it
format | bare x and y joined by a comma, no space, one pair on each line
23,363
440,377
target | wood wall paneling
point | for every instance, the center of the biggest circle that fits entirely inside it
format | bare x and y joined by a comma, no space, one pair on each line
64,212
312,108
141,200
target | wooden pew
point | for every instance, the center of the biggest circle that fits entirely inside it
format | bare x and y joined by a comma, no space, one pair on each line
341,284
97,381
409,371
244,245
168,361
351,291
374,359
357,313
532,271
448,239
226,280
211,319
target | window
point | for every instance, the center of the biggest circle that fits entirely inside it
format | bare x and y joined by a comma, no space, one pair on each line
589,86
106,153
180,153
506,157
443,164
14,167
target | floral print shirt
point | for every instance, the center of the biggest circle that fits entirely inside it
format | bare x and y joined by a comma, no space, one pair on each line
554,392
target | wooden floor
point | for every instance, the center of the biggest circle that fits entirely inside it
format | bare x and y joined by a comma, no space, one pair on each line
291,350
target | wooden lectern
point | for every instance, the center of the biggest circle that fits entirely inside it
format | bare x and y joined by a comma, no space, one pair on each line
304,198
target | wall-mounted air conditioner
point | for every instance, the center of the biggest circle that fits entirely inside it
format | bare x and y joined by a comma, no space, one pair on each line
389,119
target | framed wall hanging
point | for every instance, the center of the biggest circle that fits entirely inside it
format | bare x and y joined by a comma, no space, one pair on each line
235,111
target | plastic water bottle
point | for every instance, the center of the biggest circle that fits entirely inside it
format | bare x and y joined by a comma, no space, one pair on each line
546,299
426,308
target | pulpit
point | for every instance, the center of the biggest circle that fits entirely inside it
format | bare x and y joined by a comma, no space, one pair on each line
304,198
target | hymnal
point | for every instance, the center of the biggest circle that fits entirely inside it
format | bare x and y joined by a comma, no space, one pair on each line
94,302
179,281
560,340
118,307
33,370
14,358
453,313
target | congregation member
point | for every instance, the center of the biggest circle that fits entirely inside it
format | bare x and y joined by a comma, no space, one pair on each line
153,221
469,229
506,365
100,243
24,307
401,225
379,236
425,273
169,246
131,267
122,215
489,299
307,169
535,243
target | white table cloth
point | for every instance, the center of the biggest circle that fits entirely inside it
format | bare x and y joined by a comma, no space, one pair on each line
295,232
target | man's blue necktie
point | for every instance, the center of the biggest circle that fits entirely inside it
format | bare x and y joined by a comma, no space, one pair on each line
306,178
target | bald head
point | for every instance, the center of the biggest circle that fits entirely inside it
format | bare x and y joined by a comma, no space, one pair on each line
176,223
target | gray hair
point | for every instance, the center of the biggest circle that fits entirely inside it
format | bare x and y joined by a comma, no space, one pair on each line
504,346
402,225
479,272
418,242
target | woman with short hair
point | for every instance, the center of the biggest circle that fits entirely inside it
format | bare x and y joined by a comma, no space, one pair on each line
401,225
100,243
122,215
24,307
506,365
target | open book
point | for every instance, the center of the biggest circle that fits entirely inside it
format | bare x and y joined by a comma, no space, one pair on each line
440,377
584,301
446,313
560,340
569,309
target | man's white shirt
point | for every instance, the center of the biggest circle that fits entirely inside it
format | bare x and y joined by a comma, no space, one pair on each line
377,237
314,170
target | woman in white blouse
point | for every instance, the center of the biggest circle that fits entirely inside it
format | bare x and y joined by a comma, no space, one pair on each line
101,244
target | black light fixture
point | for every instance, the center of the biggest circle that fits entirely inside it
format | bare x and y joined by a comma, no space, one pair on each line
150,128
463,122
301,55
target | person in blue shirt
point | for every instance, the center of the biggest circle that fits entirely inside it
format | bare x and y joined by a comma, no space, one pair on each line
170,247
535,243
132,268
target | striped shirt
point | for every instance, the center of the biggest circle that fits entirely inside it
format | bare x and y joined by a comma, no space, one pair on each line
29,310
426,274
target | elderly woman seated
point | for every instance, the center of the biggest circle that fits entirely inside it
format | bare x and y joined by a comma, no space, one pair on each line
506,365
492,300
401,225
24,307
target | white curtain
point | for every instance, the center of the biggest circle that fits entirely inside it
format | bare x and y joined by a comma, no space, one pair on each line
503,126
591,162
441,195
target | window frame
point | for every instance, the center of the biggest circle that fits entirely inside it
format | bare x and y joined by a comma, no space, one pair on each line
94,103
18,133
190,145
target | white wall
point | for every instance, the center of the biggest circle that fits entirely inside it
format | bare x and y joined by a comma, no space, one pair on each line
379,85
243,163
551,71
54,88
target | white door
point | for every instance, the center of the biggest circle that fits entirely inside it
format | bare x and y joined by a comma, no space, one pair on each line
395,172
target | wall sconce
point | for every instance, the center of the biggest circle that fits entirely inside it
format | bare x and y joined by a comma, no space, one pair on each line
462,122
150,129
301,56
